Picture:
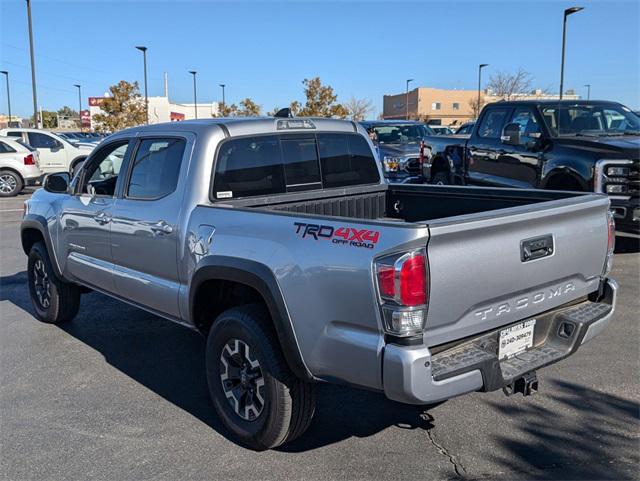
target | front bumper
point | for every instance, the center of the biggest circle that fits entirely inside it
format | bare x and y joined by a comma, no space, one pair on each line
626,213
413,375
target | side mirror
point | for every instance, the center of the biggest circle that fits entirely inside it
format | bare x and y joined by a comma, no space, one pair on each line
57,183
57,145
511,134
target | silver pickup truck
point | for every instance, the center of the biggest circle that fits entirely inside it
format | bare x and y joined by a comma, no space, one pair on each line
279,241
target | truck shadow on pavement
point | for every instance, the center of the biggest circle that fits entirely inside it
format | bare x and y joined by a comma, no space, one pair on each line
627,244
599,441
169,360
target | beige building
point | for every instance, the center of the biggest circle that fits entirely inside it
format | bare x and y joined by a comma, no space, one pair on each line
448,107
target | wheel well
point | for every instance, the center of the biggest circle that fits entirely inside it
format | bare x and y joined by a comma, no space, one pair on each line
215,296
14,171
30,237
439,165
564,181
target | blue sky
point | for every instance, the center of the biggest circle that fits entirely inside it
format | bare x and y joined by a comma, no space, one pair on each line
264,49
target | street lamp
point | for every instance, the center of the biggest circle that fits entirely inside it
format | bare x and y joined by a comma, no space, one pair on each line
195,96
33,68
223,102
79,103
407,98
588,91
567,12
146,98
8,95
480,67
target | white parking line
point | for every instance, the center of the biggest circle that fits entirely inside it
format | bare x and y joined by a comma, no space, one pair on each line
10,210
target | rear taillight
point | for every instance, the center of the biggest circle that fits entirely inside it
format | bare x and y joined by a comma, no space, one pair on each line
611,243
29,160
402,289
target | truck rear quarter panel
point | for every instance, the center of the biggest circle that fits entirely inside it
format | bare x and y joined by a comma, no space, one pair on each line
327,284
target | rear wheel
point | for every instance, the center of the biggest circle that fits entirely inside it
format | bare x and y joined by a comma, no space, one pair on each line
254,392
11,184
54,300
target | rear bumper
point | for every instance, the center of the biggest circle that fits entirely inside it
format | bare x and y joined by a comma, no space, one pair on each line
411,374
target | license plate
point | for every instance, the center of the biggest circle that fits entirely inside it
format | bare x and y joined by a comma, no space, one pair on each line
516,339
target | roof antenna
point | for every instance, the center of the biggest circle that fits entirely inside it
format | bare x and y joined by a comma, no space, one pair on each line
284,113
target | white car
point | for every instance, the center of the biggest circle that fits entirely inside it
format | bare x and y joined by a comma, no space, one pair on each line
56,153
18,166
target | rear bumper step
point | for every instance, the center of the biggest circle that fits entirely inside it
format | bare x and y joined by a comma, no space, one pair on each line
474,365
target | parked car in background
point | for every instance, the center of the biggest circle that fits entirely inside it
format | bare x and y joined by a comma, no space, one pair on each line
398,143
465,129
441,129
587,146
279,240
19,166
56,153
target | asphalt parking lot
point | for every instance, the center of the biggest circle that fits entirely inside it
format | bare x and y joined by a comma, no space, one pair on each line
120,394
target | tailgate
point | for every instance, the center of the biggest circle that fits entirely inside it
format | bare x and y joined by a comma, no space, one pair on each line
479,280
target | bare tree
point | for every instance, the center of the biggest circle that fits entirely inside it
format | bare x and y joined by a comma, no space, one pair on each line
506,84
358,108
475,108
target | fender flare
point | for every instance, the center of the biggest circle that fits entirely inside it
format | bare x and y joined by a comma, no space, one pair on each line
261,278
39,223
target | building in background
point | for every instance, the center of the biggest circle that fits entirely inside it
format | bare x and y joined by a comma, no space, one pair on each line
15,121
449,107
161,109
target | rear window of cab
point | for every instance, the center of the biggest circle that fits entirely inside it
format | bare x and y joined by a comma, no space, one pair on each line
275,164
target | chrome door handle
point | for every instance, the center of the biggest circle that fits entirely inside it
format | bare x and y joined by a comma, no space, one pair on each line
161,227
102,218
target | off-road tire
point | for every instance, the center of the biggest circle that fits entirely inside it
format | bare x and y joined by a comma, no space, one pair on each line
289,403
63,298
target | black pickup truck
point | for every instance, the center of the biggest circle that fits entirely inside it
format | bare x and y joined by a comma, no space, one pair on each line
562,145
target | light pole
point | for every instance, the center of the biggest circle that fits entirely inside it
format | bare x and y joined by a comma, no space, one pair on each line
588,91
480,67
567,12
223,101
195,95
8,95
146,98
79,103
407,98
33,68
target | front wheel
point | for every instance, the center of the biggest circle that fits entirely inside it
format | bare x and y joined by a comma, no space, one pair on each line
54,300
254,392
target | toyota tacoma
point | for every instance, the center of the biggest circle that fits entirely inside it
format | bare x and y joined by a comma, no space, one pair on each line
279,241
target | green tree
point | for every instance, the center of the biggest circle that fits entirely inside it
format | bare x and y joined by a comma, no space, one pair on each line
49,120
124,108
321,101
67,111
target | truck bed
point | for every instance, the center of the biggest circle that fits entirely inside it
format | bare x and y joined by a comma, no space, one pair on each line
402,202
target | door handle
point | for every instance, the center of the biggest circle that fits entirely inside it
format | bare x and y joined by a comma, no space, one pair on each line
161,227
102,218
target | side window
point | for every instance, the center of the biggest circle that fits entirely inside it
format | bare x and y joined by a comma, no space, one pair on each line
42,141
250,166
301,166
156,168
492,123
101,174
14,134
526,119
5,149
346,160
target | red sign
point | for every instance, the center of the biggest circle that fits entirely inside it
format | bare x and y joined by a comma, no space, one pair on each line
95,101
85,118
176,117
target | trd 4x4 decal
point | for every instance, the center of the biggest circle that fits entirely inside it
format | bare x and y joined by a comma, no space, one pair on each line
338,235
